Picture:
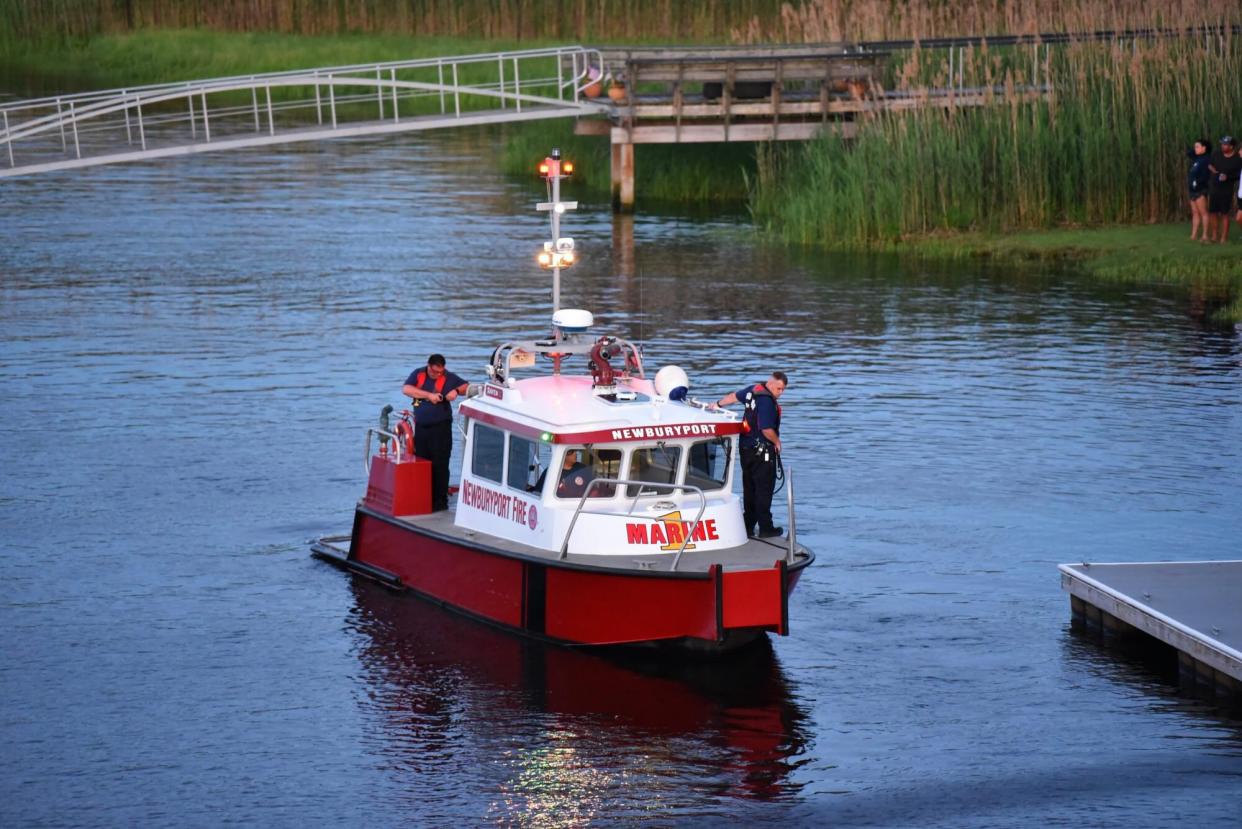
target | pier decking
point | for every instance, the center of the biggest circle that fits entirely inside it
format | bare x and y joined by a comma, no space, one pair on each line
1192,606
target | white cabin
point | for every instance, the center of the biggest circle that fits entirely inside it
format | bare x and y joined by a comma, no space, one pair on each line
542,453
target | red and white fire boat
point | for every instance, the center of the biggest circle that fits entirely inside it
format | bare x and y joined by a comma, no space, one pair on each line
593,508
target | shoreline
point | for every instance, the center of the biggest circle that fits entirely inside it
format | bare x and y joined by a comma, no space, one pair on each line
1138,254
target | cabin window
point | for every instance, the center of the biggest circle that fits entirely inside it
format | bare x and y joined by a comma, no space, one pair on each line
708,466
527,461
657,464
488,458
580,465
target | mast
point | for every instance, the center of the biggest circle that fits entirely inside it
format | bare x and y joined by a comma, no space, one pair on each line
559,252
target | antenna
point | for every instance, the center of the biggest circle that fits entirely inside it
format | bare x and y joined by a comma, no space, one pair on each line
640,304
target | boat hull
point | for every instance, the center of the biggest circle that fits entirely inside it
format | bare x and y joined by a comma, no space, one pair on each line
575,603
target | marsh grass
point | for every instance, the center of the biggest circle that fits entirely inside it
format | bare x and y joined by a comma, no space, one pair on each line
601,21
1107,147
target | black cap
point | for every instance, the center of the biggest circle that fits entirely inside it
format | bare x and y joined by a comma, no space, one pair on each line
1228,139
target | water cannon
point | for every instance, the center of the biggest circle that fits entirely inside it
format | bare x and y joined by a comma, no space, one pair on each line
384,424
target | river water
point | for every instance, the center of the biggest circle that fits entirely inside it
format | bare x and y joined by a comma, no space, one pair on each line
190,350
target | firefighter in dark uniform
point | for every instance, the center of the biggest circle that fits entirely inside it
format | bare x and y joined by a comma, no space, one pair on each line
761,447
433,389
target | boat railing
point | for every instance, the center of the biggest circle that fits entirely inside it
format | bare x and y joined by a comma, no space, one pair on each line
642,485
383,433
793,530
502,364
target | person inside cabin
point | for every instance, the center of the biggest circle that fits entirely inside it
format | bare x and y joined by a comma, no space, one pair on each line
581,466
433,388
761,448
569,465
575,475
1226,168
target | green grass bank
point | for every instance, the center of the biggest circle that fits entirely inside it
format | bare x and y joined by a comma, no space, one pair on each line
1160,253
40,65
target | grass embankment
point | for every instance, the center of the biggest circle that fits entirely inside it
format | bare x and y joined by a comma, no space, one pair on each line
34,66
1127,253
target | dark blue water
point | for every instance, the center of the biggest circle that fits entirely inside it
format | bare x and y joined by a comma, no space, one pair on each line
190,351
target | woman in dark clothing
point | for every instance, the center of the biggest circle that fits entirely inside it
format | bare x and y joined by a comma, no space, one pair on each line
1197,185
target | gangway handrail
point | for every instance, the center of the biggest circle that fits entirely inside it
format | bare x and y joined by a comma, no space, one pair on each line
515,80
109,107
416,63
641,486
159,93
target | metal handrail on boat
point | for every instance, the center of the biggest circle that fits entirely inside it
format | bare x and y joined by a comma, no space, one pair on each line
500,368
375,430
793,545
641,485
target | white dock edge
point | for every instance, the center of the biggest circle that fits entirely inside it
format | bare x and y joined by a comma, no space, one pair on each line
1193,606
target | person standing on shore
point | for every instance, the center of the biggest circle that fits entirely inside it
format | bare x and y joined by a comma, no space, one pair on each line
433,388
1198,181
761,448
1226,168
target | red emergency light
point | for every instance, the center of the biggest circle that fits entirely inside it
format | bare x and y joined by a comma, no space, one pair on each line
552,167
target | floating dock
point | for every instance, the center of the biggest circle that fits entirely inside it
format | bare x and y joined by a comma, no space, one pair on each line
1194,607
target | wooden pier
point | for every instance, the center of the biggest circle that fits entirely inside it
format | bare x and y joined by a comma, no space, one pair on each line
728,94
1194,607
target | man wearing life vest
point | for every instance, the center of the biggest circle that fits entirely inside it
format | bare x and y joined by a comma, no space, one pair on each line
433,389
761,446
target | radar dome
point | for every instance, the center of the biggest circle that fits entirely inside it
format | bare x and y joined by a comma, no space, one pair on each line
573,320
669,379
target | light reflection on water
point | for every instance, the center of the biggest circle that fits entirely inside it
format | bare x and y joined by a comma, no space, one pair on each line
191,348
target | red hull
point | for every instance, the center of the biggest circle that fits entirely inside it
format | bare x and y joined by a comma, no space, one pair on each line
574,603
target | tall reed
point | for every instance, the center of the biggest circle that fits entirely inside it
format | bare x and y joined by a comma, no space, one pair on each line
818,21
604,20
1106,146
598,20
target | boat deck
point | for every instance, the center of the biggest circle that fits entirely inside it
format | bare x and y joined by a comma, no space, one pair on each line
1193,606
755,553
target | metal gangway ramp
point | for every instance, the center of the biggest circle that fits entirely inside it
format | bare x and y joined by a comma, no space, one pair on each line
161,120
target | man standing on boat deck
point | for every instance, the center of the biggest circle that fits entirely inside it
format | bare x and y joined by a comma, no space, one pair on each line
434,389
761,449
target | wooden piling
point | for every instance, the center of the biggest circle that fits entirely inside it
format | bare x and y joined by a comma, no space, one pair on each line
623,176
